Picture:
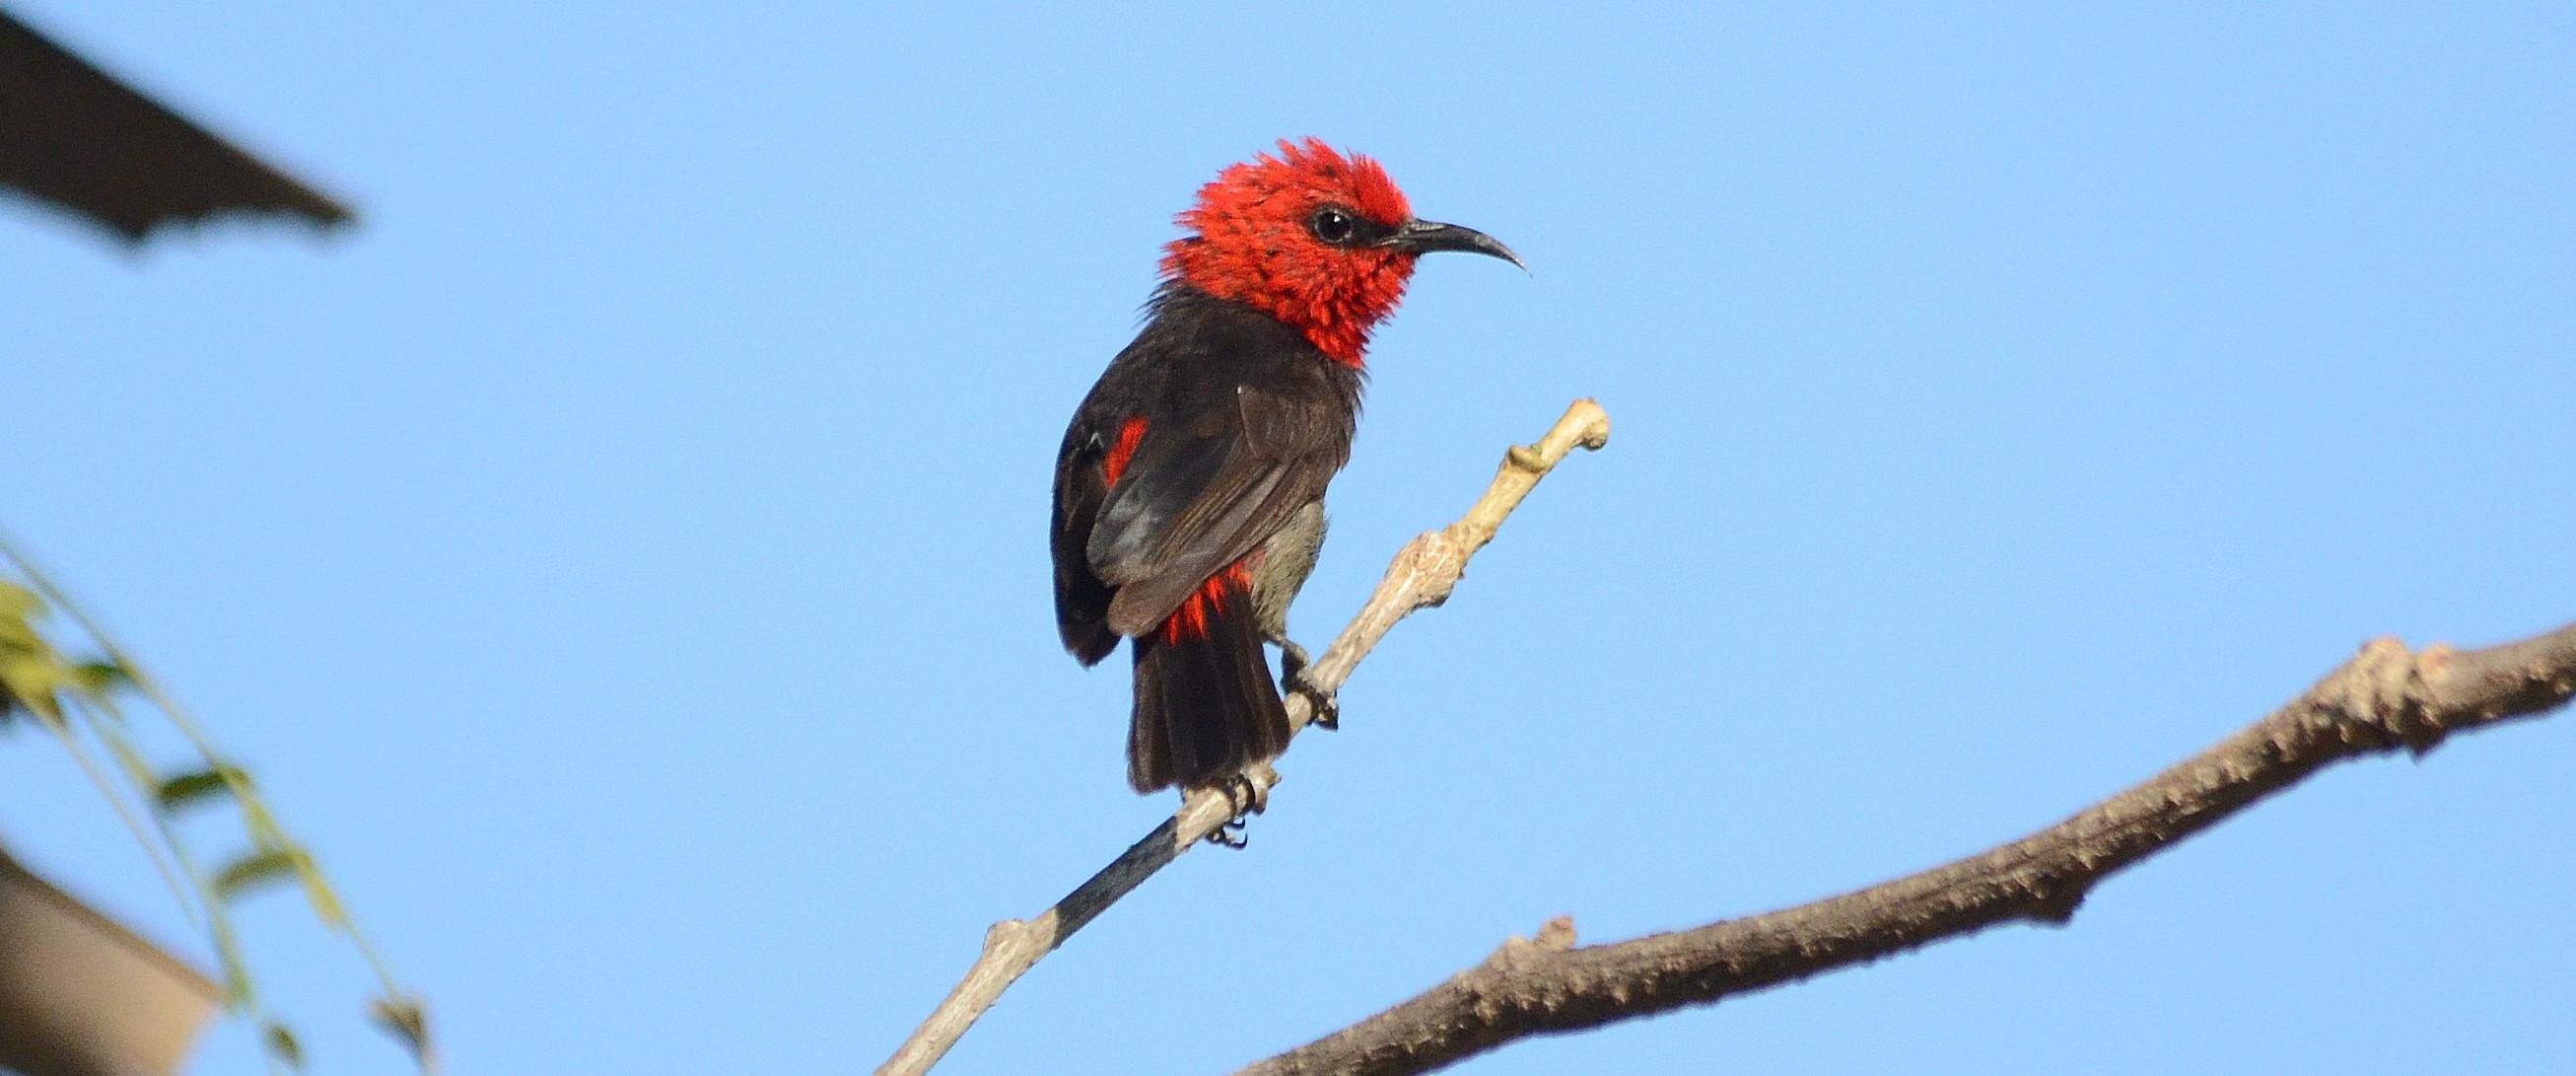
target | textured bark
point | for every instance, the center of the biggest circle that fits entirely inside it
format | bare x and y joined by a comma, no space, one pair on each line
2386,699
1423,574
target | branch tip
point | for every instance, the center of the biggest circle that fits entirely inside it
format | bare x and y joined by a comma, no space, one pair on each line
1595,434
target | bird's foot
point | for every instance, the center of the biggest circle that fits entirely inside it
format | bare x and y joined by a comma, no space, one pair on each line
1248,798
1235,834
1324,708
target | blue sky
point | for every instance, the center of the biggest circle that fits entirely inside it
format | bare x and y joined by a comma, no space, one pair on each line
622,556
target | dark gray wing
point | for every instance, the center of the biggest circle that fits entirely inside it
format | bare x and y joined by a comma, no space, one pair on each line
1196,499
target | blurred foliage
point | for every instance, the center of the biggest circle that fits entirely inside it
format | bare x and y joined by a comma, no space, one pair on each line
84,695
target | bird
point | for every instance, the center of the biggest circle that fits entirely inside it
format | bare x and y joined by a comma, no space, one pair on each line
1189,488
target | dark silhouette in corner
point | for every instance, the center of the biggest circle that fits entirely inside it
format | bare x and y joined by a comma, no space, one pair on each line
76,138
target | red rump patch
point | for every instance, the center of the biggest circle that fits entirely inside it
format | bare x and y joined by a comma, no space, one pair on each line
1115,463
1190,621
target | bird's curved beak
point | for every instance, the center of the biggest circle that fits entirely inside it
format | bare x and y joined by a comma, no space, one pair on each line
1425,236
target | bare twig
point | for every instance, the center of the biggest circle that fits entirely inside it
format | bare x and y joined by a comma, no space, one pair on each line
1423,574
2385,699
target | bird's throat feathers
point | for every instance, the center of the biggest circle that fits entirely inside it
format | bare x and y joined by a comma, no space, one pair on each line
1255,240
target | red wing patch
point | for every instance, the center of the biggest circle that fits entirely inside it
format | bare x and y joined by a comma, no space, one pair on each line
1115,463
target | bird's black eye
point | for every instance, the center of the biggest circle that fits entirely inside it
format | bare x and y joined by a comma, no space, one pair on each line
1332,225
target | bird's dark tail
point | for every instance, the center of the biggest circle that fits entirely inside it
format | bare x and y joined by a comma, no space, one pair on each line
1205,704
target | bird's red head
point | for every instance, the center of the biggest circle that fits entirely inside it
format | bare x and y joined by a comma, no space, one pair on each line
1321,241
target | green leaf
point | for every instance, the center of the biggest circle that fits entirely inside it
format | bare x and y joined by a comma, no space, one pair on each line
101,677
403,1017
19,603
282,1045
263,827
189,788
237,987
32,678
317,892
255,869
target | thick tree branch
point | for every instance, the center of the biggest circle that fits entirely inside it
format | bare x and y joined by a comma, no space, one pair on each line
1423,574
2385,699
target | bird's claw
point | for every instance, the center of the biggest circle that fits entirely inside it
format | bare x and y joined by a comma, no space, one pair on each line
1232,835
1324,708
1248,798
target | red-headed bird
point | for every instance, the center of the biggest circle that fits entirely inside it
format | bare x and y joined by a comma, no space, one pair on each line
1189,494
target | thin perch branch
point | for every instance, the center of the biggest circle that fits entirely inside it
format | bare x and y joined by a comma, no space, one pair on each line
1423,574
2385,699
